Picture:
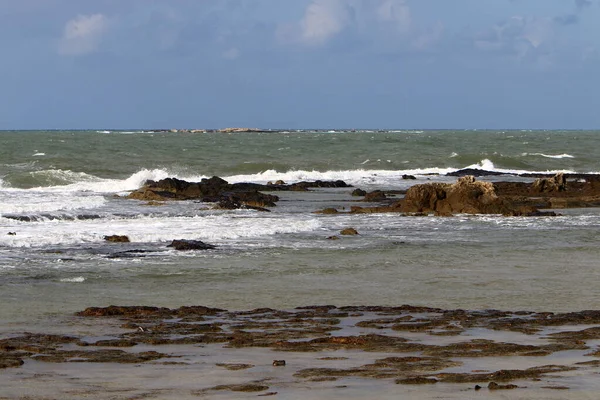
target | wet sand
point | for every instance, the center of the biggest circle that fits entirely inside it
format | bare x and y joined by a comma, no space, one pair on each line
316,352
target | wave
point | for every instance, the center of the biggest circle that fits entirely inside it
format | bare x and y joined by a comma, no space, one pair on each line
564,155
488,165
65,181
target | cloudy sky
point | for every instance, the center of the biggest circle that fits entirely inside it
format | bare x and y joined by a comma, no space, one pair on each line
300,63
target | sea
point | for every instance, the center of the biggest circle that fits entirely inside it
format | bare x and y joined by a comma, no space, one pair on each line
62,191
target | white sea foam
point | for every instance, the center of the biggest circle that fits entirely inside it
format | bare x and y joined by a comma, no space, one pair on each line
77,279
39,154
564,155
34,201
488,165
212,228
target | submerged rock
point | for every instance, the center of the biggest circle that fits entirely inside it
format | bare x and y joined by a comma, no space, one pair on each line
184,244
349,231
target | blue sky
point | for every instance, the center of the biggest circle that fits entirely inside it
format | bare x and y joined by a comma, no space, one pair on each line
300,63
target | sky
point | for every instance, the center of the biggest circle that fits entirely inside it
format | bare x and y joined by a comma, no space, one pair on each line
454,64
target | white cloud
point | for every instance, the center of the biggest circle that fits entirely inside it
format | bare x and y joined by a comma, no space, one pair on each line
324,19
82,34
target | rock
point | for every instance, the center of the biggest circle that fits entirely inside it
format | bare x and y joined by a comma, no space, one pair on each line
184,244
333,237
359,192
117,239
465,196
329,210
558,183
495,386
376,195
279,182
474,172
12,233
279,363
349,231
416,380
409,177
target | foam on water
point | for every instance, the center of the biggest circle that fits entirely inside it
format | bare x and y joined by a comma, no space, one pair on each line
557,156
30,201
77,279
488,165
215,228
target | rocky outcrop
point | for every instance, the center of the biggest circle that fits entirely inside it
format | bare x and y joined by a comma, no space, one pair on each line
558,183
465,196
218,190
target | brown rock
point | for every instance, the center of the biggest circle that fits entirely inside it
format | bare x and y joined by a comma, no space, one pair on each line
117,238
349,231
558,183
376,195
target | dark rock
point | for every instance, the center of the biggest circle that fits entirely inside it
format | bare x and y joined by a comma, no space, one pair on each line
244,387
184,244
12,233
409,177
359,192
279,363
376,195
117,239
333,237
349,231
416,380
474,172
495,386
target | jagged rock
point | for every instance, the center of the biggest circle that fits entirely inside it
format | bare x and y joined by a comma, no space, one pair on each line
349,231
117,239
465,196
409,177
558,183
184,244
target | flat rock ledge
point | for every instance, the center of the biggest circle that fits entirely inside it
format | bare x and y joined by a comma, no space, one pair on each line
406,345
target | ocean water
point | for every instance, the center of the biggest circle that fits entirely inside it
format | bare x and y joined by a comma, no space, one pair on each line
60,193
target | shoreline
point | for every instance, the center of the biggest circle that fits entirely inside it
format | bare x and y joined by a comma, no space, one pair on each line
309,352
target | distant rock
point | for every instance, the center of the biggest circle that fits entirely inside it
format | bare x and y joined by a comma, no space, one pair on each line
409,177
349,231
475,172
184,244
